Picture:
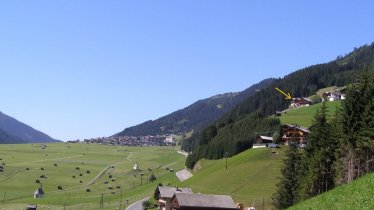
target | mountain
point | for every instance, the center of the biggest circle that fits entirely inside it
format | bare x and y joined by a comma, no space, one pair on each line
222,137
14,131
195,116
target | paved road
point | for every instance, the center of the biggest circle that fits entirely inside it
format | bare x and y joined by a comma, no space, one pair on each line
137,205
183,175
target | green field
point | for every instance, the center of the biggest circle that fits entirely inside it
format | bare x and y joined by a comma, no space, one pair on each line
17,184
250,178
304,115
357,195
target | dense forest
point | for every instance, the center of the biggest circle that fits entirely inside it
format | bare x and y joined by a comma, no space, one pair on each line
195,116
342,71
340,148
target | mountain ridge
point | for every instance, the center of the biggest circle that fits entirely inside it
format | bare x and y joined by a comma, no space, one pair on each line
196,115
15,131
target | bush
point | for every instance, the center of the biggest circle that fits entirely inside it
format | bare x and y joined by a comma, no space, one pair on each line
74,176
146,204
55,164
113,180
27,169
110,176
88,171
80,174
43,176
118,187
80,181
59,187
37,181
110,188
77,168
88,190
42,169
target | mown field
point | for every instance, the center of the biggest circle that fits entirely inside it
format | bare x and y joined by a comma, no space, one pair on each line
304,115
107,171
357,195
250,177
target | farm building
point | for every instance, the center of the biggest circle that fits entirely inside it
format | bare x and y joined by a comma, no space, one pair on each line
300,102
32,207
136,167
294,133
39,193
185,201
164,195
264,139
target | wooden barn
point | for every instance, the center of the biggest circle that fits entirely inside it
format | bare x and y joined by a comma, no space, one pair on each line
294,133
164,195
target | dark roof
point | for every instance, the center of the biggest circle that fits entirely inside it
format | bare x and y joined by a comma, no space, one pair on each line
168,192
207,201
39,191
306,130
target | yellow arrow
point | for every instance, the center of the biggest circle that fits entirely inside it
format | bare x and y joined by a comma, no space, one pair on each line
288,96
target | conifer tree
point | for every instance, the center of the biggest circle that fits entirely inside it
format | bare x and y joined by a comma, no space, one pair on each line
319,157
288,187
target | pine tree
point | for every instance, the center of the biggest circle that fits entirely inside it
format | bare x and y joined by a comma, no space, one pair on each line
288,188
319,157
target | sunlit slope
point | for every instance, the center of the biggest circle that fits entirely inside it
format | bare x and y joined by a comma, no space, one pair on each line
304,115
357,195
250,177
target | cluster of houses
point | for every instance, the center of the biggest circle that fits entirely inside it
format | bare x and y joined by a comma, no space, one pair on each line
159,140
291,134
174,198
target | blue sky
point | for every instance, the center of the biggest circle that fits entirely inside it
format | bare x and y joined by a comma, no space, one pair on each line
84,68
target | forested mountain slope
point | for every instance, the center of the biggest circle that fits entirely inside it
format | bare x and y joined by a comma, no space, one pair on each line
304,82
195,116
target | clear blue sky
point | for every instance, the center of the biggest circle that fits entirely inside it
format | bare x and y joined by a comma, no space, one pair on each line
84,68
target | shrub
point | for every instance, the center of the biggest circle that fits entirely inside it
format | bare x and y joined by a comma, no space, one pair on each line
55,164
88,171
80,181
77,168
43,176
74,176
37,181
113,193
113,180
110,176
88,190
3,164
42,169
118,187
59,187
80,174
27,169
110,188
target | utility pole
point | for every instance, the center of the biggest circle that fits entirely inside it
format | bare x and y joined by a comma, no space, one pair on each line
226,154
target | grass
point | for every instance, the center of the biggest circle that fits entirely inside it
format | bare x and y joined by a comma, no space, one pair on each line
304,115
17,184
357,195
250,178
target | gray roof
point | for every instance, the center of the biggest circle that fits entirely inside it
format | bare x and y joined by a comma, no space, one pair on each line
267,138
306,130
168,192
202,200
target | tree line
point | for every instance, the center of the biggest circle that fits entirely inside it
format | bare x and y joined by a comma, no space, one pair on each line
340,148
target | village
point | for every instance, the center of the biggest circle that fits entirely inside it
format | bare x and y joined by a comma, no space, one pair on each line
158,140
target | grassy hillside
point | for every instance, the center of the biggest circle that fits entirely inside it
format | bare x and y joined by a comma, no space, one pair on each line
17,184
250,178
357,195
303,116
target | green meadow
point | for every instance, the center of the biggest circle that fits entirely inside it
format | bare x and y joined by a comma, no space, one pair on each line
250,177
105,171
357,195
304,115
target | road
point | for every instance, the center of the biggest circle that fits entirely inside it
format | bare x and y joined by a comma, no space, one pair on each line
137,205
